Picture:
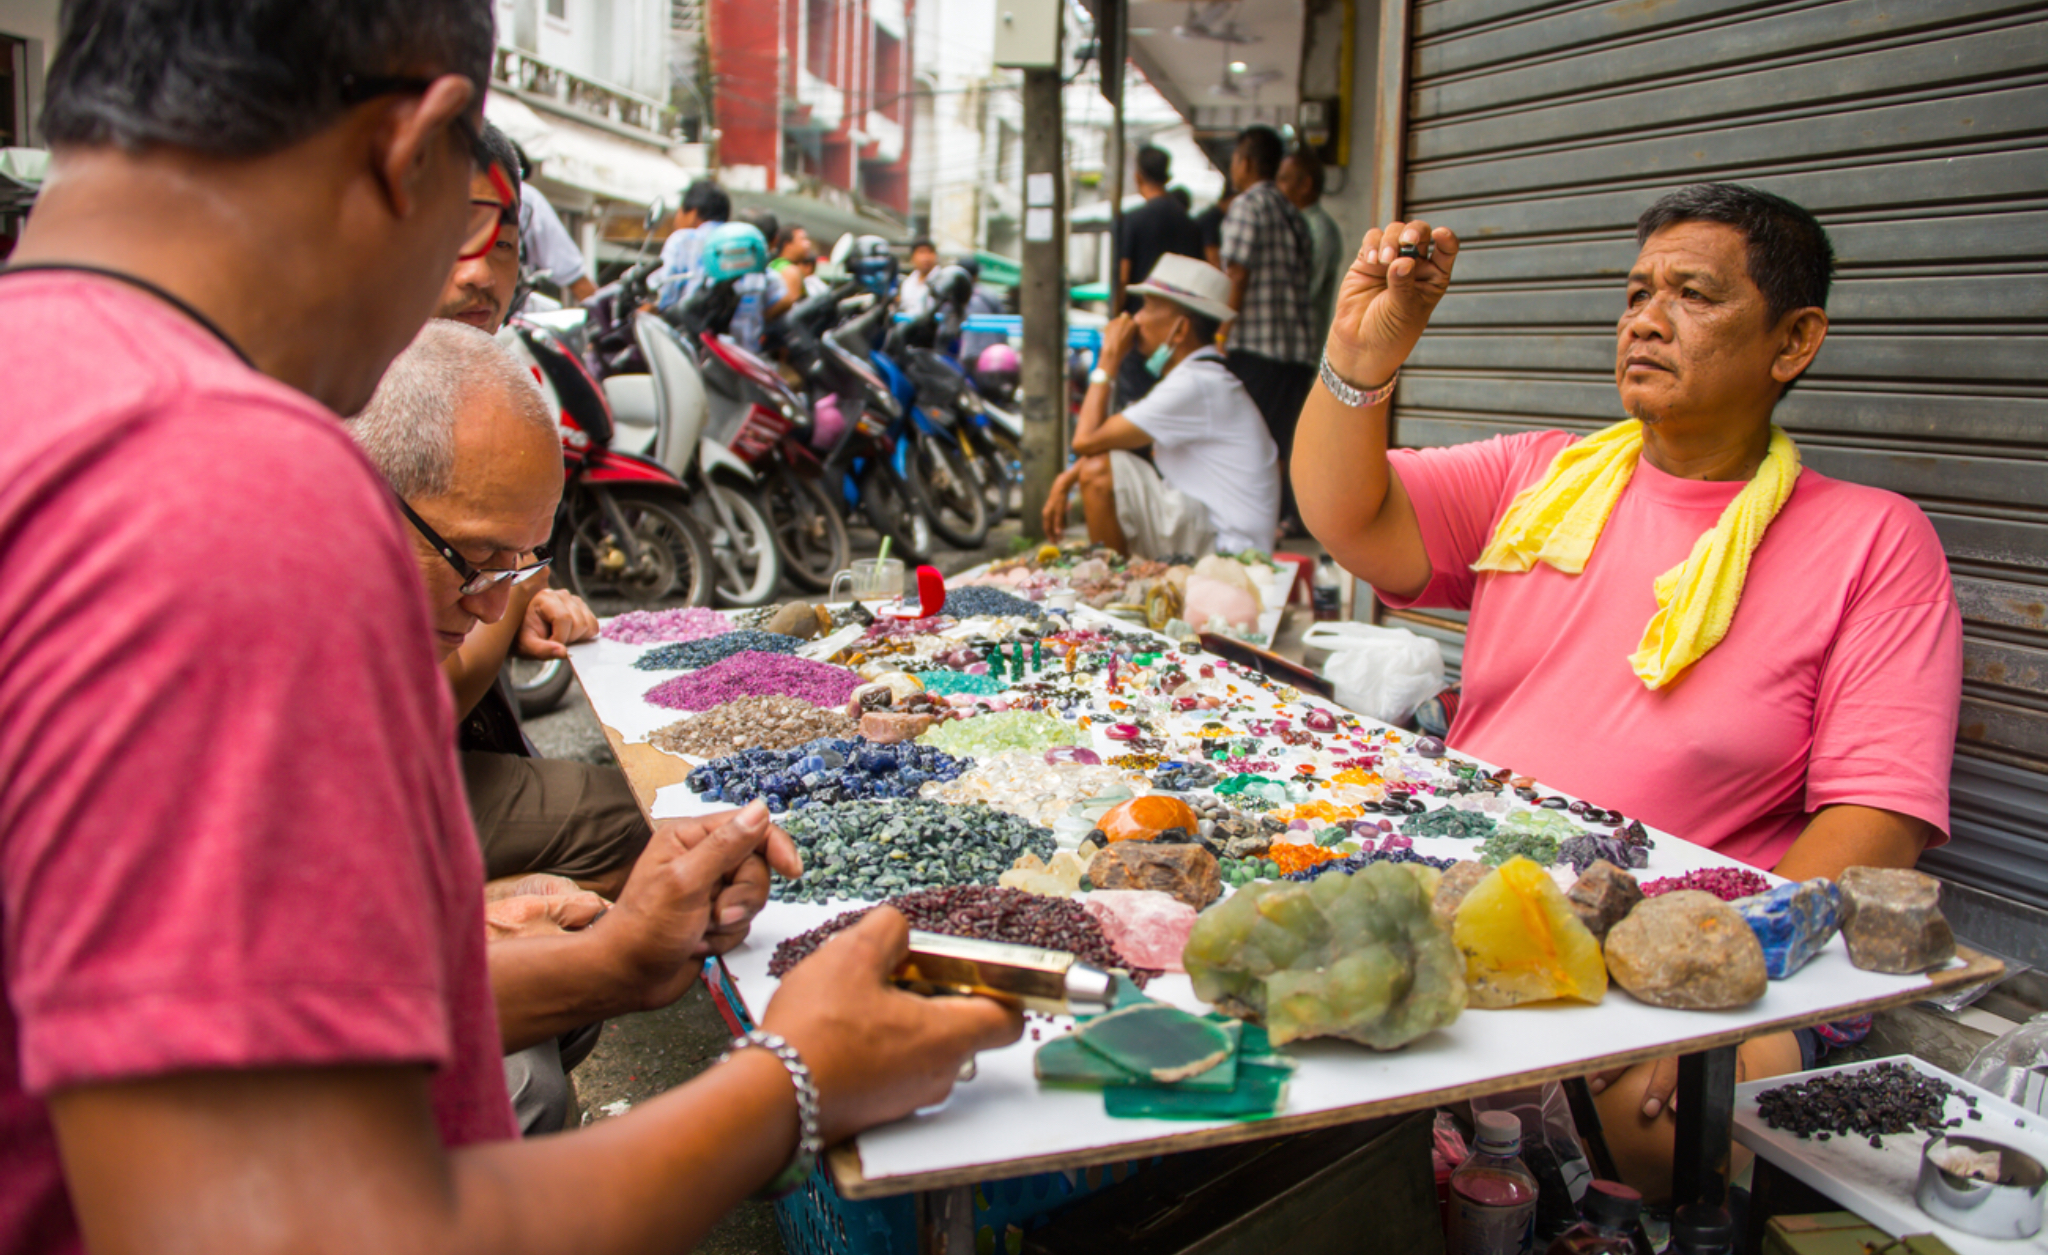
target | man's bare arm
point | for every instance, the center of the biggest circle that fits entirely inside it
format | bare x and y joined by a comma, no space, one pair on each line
644,952
1839,837
1348,495
1239,278
320,1160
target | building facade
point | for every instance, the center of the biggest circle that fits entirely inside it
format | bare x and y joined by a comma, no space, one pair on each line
814,98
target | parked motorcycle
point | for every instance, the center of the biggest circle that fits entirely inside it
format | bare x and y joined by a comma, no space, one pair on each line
857,414
996,426
655,385
624,530
944,476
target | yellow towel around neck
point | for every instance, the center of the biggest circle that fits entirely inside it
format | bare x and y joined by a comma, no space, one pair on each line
1559,518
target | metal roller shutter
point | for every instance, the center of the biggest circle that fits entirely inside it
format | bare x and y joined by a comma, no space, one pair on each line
1915,132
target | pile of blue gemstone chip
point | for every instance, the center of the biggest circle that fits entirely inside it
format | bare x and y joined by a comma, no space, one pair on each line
830,769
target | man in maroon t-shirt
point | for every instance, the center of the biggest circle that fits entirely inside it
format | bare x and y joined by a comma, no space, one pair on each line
243,996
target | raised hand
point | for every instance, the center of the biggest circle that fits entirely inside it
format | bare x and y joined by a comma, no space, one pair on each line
1386,299
877,1052
554,620
693,892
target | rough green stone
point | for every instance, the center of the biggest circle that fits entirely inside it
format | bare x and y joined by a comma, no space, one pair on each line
1448,822
1357,956
1533,834
990,734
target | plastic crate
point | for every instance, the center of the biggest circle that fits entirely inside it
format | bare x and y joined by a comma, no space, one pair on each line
816,1221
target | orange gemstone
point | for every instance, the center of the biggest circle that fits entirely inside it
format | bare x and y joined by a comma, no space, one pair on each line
1143,818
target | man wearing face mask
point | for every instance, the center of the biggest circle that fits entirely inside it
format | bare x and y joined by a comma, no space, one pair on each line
1216,486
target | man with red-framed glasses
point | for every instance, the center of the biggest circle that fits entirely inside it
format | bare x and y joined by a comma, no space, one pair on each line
244,1003
480,288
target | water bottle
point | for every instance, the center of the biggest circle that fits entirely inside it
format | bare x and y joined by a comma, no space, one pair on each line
1326,589
1493,1197
1702,1229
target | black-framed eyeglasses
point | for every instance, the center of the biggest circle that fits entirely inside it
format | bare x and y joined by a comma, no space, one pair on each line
485,216
475,579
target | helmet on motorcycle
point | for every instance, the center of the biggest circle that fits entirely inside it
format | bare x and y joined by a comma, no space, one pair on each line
950,285
828,423
870,261
996,370
733,250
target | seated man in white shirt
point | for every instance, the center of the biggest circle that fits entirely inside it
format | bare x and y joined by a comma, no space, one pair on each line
1217,483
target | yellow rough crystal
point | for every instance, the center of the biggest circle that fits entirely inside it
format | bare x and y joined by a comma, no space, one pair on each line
1523,943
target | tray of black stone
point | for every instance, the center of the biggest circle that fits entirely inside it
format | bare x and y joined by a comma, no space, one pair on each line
1855,1133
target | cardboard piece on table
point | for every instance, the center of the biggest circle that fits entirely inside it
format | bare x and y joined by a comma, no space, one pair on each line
648,770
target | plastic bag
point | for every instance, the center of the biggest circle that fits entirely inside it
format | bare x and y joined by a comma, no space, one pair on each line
1550,1149
1380,672
2015,1066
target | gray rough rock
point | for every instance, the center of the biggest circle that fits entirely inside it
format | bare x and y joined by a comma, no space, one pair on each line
1688,950
1892,920
1603,896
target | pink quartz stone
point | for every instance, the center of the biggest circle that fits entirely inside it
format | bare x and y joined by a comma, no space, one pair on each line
1147,927
1060,754
1122,732
885,728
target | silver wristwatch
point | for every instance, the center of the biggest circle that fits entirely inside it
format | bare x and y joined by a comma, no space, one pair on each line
808,1144
1352,395
1096,376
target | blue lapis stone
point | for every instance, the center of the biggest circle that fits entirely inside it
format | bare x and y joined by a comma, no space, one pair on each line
1794,922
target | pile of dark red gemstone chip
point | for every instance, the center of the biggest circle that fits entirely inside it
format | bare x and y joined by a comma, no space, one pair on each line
1871,1102
1725,883
1011,915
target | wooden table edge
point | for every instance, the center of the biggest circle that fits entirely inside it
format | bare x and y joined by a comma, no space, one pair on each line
844,1163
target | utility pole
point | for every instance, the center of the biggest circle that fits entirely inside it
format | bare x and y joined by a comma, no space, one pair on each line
1042,298
1112,44
1028,37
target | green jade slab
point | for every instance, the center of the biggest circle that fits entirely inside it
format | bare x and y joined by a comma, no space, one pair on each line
1066,1061
1260,1091
1157,1041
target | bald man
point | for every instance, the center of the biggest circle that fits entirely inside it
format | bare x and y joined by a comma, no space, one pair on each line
469,449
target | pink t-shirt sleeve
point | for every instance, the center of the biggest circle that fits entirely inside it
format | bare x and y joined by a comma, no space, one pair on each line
1886,712
1458,492
224,818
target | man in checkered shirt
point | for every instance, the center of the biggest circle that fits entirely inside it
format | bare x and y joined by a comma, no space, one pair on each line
1266,253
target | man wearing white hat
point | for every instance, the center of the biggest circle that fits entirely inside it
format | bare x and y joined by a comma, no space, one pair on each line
1216,486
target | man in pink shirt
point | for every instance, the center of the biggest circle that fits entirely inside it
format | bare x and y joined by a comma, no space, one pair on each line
1815,734
243,996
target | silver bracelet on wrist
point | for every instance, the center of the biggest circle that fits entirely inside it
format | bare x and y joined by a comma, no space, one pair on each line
808,1144
1351,394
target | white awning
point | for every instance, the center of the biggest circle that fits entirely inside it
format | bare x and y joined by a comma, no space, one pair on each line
602,164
